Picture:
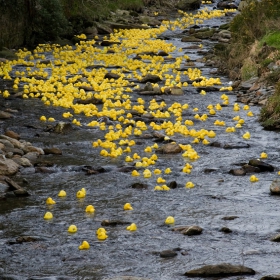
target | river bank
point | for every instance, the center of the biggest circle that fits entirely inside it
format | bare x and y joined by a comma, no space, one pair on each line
235,216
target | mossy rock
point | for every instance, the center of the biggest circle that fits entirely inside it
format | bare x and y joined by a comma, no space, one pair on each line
8,54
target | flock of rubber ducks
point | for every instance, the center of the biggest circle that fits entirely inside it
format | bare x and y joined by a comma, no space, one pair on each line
65,85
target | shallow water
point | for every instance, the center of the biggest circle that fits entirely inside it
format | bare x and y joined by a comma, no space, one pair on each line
216,195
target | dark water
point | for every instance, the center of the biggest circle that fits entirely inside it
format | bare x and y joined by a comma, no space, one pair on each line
215,195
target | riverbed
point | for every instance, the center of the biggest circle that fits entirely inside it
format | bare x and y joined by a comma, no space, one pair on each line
216,195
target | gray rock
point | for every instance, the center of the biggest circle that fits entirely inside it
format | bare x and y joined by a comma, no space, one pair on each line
263,166
271,277
63,127
186,5
220,270
275,187
7,166
238,172
5,115
150,78
52,151
189,230
275,238
170,148
32,157
168,254
22,161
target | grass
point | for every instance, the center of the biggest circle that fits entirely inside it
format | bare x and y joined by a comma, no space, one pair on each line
272,39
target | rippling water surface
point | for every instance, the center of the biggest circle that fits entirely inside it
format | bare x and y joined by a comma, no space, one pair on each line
216,195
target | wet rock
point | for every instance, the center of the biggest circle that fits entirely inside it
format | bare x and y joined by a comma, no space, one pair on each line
276,238
190,39
220,270
261,165
90,170
92,100
239,145
23,239
229,218
111,76
172,185
7,166
113,223
275,187
12,277
237,172
168,254
187,5
271,277
227,5
250,169
162,53
12,134
52,151
170,148
126,169
150,78
189,230
32,157
86,88
209,170
5,115
173,91
43,169
139,186
63,127
225,230
27,148
22,161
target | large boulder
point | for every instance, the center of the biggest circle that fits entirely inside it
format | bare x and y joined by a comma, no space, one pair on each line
7,166
220,270
186,5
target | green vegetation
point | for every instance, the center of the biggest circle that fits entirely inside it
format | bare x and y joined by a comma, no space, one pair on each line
270,113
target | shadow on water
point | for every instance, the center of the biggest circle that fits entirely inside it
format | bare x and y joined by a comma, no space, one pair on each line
216,194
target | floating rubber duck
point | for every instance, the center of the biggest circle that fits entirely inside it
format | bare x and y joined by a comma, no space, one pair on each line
165,188
147,173
205,142
132,227
102,236
253,178
278,173
99,230
169,220
158,188
62,193
72,229
263,155
43,118
135,173
84,246
50,201
48,216
189,185
157,171
203,92
81,193
246,107
246,135
160,180
167,170
250,114
90,209
127,206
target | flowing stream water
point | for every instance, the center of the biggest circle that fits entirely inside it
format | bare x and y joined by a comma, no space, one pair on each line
216,194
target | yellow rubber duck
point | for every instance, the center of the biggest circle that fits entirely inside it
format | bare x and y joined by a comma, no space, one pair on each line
250,114
50,201
263,155
135,173
247,135
72,229
127,206
132,227
253,178
48,216
246,107
84,246
147,173
189,185
165,188
169,220
167,170
160,180
62,193
102,236
81,193
157,171
90,209
158,188
205,142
